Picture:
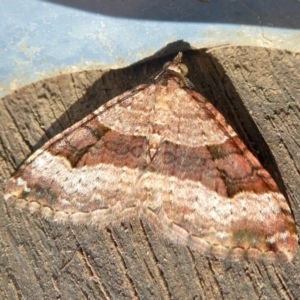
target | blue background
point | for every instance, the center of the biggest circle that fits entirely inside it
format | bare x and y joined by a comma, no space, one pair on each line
39,39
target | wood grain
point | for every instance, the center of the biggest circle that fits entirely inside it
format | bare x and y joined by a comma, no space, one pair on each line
44,260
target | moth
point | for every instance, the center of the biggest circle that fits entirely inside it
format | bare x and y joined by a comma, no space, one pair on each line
163,153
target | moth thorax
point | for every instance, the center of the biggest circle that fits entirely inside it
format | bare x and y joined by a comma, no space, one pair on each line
154,143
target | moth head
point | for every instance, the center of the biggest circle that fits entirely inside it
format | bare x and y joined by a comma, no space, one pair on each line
180,68
175,68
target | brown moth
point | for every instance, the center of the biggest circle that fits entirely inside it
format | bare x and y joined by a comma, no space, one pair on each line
160,152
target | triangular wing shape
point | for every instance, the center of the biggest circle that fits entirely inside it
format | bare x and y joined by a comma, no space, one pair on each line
161,152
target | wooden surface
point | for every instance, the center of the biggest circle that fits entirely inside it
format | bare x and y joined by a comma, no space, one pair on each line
257,90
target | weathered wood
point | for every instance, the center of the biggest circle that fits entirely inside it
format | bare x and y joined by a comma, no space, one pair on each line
44,260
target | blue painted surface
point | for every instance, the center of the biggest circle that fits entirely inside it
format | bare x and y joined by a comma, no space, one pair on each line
40,39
